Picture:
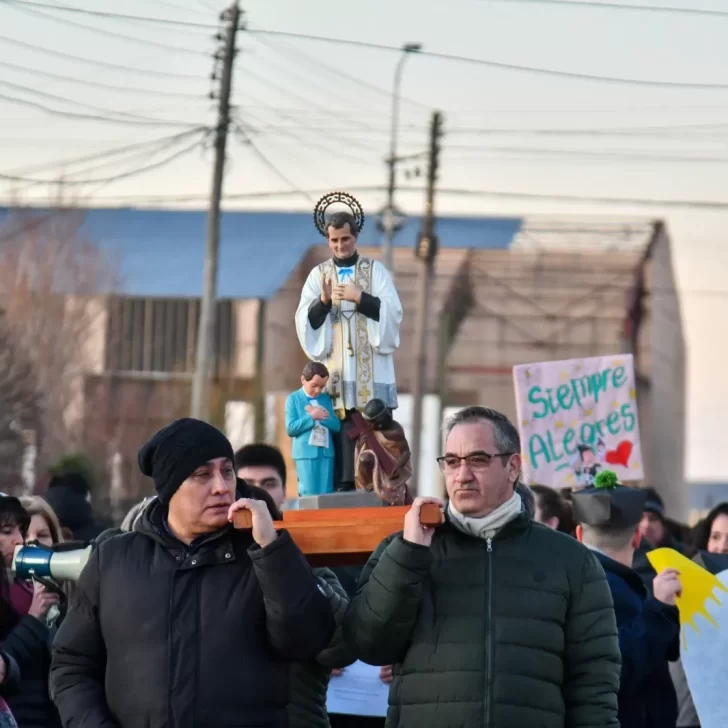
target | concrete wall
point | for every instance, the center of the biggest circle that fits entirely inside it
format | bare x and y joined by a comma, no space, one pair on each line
661,361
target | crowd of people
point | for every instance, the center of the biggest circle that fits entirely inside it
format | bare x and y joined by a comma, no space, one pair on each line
528,607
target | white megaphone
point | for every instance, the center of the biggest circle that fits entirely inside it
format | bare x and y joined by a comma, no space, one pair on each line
63,562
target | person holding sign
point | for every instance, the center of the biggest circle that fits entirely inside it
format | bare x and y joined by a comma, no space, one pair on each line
310,421
649,629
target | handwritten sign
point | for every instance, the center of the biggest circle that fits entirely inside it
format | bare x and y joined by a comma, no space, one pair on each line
577,417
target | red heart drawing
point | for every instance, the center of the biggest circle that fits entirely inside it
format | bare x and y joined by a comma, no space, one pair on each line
620,456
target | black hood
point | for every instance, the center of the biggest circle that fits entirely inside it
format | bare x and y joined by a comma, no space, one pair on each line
70,504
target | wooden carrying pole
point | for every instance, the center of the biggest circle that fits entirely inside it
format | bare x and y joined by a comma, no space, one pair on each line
343,536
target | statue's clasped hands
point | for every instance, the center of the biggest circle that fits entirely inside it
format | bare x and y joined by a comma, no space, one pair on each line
317,413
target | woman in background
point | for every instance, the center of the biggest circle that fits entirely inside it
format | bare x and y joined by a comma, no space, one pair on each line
44,525
711,534
552,509
25,637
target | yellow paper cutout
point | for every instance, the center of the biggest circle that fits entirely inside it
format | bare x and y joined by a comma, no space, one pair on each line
588,413
525,423
617,363
633,394
615,404
528,374
564,377
559,424
698,586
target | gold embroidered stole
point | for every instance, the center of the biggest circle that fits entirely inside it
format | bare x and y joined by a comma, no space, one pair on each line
357,335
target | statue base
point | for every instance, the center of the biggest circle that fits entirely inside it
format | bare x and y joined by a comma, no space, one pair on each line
352,499
339,536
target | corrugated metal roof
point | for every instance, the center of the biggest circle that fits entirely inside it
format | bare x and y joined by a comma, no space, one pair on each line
161,252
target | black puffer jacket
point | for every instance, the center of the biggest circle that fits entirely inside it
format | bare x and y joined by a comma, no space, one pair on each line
28,645
514,632
310,680
160,635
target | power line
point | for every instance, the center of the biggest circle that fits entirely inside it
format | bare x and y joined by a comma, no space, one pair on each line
598,131
531,152
112,178
65,100
456,192
618,6
574,75
387,93
288,92
93,62
343,154
93,117
103,31
263,158
104,14
98,84
113,152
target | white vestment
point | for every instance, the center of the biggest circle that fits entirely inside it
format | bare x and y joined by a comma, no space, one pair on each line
357,350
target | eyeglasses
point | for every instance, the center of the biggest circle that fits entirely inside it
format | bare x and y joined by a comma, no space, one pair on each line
476,461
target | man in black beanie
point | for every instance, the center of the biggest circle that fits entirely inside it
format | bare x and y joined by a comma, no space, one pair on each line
185,621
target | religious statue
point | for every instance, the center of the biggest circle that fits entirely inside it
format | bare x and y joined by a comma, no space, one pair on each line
310,422
382,454
348,318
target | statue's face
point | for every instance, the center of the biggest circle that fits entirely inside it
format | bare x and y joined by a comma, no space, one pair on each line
342,241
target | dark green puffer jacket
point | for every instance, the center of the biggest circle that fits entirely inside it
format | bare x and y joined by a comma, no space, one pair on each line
310,680
516,632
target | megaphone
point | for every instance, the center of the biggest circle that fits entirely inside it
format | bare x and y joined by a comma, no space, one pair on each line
63,562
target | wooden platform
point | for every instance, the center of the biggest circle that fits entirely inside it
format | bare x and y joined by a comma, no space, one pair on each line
341,536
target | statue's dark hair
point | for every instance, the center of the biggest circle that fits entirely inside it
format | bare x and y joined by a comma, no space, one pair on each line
339,219
314,369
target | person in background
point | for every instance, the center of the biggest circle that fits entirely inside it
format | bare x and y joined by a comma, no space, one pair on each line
310,423
187,621
609,515
263,465
69,495
552,509
490,619
25,637
711,534
44,525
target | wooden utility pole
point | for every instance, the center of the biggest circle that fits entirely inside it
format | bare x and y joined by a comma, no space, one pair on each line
426,251
259,380
206,330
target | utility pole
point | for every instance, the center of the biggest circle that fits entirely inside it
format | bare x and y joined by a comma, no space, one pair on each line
206,330
426,251
390,226
259,391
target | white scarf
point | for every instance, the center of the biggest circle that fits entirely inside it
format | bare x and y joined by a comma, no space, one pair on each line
487,526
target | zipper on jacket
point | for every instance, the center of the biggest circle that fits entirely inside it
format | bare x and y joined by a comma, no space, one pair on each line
488,636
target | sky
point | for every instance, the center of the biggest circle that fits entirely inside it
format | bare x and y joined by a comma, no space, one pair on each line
312,116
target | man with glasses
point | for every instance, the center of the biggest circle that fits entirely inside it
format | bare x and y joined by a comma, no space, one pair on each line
491,619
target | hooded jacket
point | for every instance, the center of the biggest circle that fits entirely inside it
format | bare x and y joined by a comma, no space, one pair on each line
165,635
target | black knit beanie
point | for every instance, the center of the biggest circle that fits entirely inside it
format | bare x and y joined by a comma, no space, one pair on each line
177,450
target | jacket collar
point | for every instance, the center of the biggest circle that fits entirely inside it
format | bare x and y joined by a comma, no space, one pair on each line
628,575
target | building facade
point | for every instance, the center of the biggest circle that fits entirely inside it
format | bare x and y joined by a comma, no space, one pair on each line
506,291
